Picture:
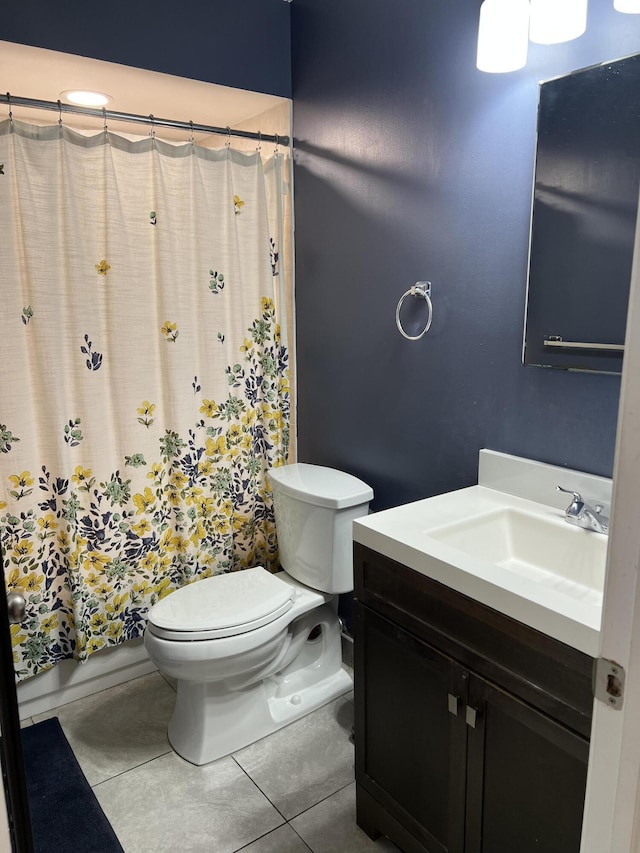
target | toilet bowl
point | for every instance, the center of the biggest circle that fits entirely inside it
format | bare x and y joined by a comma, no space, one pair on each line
252,651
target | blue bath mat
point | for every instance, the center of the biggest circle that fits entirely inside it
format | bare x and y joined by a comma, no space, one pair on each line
65,814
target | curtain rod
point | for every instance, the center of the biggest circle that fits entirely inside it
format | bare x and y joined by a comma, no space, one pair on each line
113,115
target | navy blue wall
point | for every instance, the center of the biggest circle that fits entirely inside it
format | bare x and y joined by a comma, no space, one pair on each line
410,164
241,43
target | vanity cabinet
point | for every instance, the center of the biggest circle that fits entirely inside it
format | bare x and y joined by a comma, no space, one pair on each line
471,728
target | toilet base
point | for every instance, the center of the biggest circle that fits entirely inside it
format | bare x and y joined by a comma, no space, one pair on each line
214,719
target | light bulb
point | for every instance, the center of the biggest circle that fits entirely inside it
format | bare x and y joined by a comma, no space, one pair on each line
555,21
85,98
503,35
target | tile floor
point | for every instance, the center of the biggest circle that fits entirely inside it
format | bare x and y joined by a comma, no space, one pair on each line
292,792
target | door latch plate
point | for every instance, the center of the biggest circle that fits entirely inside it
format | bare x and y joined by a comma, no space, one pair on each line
609,679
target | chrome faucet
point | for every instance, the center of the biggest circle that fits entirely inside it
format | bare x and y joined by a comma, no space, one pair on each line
582,515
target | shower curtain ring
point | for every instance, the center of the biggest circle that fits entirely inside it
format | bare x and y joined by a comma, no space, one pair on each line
152,132
275,150
10,110
59,113
191,139
104,120
228,142
259,147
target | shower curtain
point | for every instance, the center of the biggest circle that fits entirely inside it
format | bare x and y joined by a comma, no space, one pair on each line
144,379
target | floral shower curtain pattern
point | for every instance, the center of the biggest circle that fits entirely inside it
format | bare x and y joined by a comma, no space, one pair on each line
144,381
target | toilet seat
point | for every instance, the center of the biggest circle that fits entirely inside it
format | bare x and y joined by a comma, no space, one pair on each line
221,606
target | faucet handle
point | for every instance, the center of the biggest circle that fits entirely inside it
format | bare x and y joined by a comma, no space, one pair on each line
576,495
577,504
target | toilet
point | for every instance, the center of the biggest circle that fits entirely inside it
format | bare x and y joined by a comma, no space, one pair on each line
253,651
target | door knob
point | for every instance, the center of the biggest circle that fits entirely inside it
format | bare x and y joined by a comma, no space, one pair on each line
17,607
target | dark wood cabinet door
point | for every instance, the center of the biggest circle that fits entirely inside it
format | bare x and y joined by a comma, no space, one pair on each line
526,777
410,732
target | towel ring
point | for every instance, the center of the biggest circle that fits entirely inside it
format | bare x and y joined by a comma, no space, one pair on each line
421,289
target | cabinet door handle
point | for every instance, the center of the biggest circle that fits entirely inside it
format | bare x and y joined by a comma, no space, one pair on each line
453,703
471,716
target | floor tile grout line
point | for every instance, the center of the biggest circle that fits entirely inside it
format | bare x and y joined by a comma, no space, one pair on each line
129,769
324,799
308,846
248,775
341,788
266,834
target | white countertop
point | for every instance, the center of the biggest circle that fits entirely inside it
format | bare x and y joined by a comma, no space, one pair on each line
403,534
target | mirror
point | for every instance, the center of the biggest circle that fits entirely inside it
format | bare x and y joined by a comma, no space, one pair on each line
585,200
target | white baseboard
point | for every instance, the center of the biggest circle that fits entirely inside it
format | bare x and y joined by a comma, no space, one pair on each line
70,680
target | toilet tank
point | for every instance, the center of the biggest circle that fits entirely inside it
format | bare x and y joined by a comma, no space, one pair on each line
314,509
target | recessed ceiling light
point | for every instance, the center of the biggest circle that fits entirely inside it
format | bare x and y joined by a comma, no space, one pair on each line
84,98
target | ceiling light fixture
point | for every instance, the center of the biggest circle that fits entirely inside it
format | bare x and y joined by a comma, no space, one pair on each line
503,35
630,7
555,21
84,98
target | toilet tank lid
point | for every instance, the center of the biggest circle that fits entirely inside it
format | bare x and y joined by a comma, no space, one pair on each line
321,486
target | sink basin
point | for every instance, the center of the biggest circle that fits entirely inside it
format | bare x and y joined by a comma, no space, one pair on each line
512,553
544,549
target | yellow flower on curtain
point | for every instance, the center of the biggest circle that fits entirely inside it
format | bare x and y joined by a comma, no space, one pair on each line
206,467
221,524
95,644
12,578
234,434
115,607
31,583
142,588
214,447
95,560
142,527
83,478
209,408
206,506
170,331
22,484
17,639
103,267
172,494
198,535
99,621
115,631
147,564
179,480
93,579
156,472
162,588
144,501
193,495
21,551
49,623
145,411
47,525
238,204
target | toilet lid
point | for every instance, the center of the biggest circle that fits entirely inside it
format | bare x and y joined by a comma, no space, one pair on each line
223,605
